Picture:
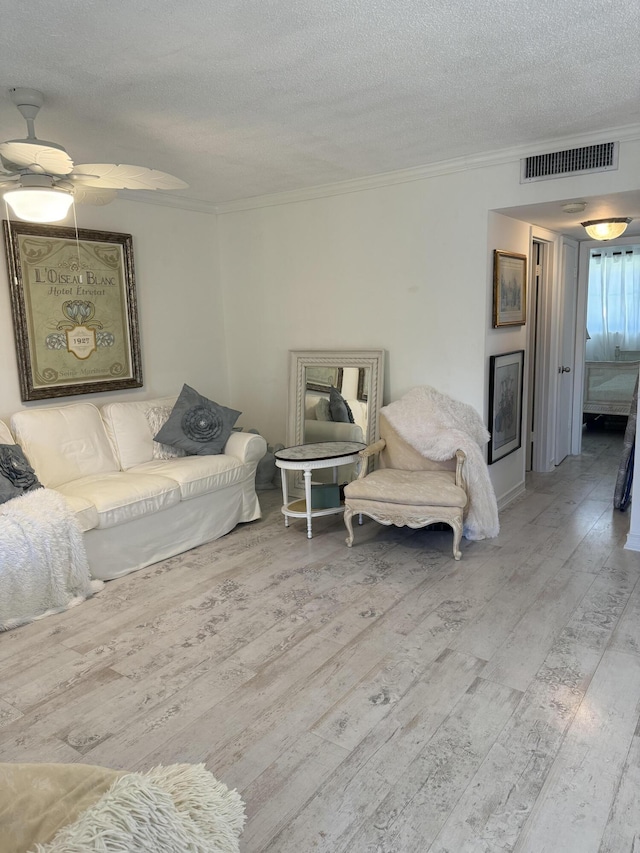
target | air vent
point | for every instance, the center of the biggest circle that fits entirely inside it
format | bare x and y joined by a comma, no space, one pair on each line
574,161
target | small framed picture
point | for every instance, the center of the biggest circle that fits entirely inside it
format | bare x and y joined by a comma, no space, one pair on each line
509,289
505,404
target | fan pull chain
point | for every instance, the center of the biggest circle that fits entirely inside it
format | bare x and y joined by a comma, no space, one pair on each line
75,224
6,208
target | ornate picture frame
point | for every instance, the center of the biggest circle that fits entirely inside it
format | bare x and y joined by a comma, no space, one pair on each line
506,381
509,289
74,309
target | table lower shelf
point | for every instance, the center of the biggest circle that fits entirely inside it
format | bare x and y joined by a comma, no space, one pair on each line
298,509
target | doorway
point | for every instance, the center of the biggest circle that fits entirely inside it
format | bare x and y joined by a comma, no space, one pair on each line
553,285
535,286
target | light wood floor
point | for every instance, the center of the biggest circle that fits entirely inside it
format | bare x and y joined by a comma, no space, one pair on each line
382,698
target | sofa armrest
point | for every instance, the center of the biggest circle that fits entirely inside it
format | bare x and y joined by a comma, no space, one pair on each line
5,434
248,447
331,431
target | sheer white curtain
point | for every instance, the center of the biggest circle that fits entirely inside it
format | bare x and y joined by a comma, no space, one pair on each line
613,304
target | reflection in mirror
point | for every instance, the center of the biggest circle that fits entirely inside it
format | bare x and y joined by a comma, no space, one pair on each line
334,396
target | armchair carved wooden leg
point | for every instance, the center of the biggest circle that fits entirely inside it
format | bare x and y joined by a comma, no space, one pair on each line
348,515
456,524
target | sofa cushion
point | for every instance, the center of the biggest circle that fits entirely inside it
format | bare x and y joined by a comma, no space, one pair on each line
64,443
127,426
122,496
86,513
197,475
415,488
5,434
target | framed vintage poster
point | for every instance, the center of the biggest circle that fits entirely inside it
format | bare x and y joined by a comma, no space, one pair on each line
505,404
74,310
509,289
320,378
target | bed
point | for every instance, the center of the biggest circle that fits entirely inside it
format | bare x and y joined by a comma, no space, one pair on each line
608,387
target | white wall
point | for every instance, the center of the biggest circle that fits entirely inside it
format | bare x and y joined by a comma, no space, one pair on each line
405,267
179,304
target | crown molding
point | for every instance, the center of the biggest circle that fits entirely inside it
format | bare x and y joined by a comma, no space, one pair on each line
627,133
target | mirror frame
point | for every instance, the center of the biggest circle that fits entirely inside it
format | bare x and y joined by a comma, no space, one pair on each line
299,360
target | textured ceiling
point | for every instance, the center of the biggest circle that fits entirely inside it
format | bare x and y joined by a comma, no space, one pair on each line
245,97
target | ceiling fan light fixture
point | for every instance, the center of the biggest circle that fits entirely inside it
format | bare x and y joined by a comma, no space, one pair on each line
606,229
39,204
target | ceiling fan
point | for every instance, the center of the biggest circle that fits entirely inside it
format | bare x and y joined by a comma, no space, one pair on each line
42,181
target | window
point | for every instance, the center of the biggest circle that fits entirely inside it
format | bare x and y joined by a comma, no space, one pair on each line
613,304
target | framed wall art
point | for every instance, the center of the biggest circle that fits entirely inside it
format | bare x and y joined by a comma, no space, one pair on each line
321,378
509,289
74,310
506,381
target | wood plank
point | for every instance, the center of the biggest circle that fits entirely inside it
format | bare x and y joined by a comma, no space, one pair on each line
204,700
622,832
285,785
484,635
8,713
626,636
365,778
522,653
573,807
493,808
412,813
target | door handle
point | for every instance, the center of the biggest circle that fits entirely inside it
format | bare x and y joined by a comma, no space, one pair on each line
564,370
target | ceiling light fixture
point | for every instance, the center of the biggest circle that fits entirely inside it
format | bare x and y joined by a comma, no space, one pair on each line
35,199
606,229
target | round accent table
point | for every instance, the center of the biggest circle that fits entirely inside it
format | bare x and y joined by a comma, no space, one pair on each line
308,458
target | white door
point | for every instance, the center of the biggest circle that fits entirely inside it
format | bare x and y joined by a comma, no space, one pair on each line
567,303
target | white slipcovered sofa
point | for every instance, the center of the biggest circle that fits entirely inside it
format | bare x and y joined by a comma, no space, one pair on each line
324,430
135,509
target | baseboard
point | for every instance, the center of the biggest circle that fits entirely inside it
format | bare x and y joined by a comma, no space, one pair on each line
511,495
633,542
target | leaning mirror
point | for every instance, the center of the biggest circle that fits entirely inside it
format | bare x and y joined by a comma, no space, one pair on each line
356,375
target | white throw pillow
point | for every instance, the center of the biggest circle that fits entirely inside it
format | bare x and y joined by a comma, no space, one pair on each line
322,410
157,416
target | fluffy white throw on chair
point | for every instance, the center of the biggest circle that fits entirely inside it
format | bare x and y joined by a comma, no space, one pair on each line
43,562
437,425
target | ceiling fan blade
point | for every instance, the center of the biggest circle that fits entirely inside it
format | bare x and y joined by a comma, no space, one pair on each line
123,177
38,157
7,180
85,194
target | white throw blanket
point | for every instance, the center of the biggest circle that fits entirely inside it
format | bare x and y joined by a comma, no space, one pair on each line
43,562
437,425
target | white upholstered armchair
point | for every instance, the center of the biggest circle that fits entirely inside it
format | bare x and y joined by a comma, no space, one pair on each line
407,489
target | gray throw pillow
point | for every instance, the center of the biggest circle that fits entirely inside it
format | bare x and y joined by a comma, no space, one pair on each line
197,425
339,408
16,475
